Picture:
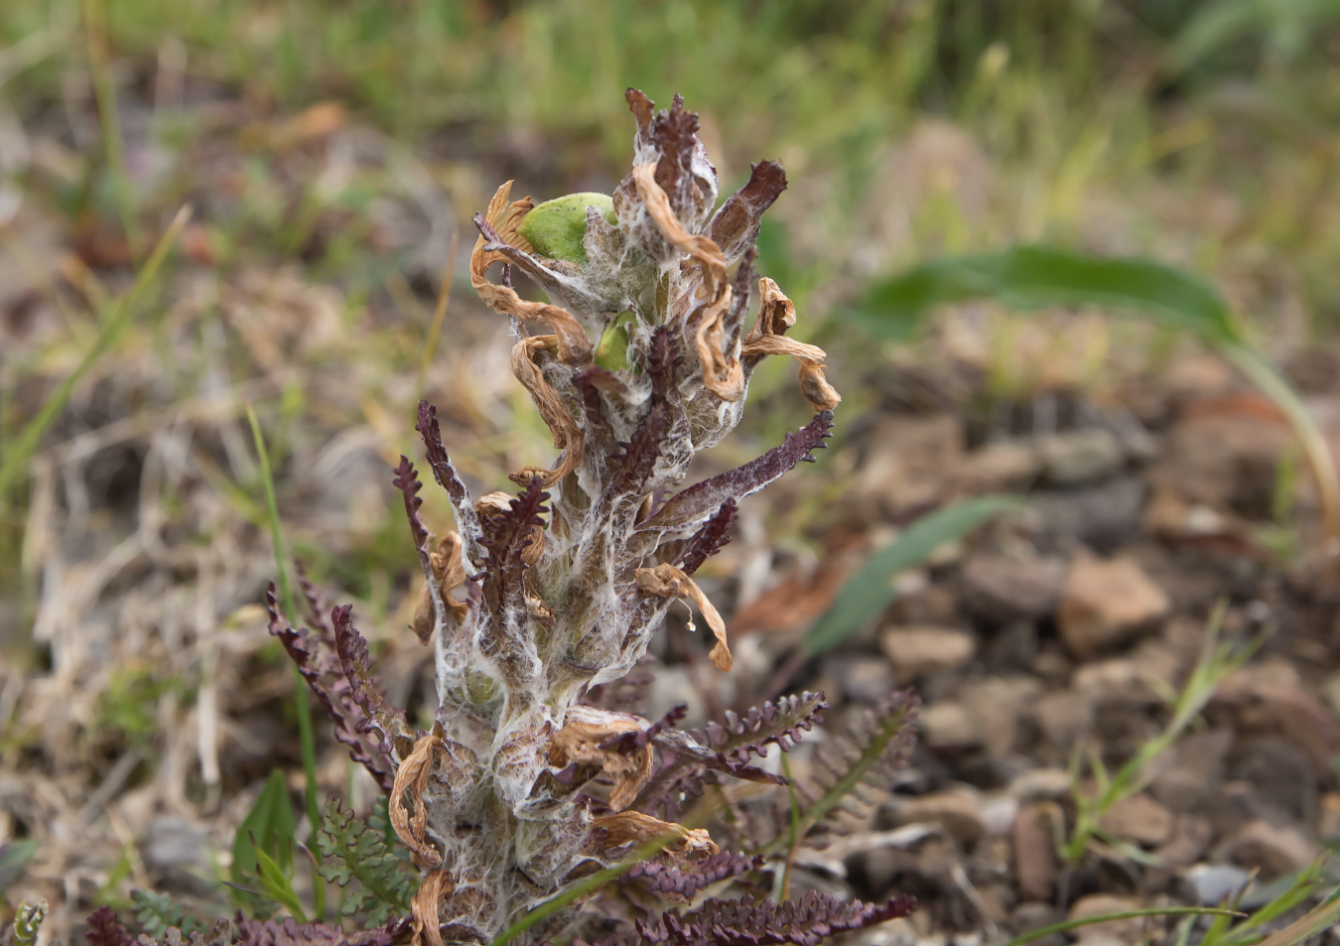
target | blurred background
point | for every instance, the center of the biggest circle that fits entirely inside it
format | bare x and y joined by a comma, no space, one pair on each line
332,153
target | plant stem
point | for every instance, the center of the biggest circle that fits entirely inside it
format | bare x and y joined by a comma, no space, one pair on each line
1265,376
305,733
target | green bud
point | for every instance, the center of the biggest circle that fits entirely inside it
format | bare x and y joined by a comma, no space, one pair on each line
612,350
557,227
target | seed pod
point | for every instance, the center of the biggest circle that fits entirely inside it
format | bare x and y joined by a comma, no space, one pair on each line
556,228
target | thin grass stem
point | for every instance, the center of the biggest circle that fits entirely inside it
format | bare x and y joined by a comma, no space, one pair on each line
304,709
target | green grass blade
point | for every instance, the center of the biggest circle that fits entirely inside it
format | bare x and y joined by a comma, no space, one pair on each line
14,857
269,826
277,885
17,454
865,596
1325,915
1036,277
1062,927
305,732
581,888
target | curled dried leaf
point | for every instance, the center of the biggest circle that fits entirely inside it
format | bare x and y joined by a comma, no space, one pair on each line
633,827
424,906
502,220
567,435
449,571
701,248
585,730
821,395
777,314
412,779
722,375
667,581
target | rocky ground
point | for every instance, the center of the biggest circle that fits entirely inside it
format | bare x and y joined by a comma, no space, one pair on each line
143,704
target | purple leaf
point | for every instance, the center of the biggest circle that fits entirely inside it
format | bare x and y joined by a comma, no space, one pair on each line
466,519
735,225
699,501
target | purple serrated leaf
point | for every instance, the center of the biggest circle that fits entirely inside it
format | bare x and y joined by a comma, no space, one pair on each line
699,501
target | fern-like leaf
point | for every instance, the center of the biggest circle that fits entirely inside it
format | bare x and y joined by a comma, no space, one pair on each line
859,766
681,883
804,922
352,850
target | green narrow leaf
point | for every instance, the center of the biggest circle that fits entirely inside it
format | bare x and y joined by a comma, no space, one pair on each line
277,885
865,596
270,825
1034,277
17,453
1062,927
14,857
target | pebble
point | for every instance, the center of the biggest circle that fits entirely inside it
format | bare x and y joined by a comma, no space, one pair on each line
1274,849
1064,716
949,725
861,678
1041,784
1282,776
1140,820
1212,884
1000,589
958,811
998,703
1193,770
1034,915
917,652
1191,838
1106,603
1102,517
1035,867
1080,456
1113,931
1006,466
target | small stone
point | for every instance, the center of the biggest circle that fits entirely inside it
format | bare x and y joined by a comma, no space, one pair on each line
1274,849
958,811
1000,589
1329,828
907,460
1035,915
1113,931
998,813
1004,467
1232,806
1064,716
1102,517
1140,820
917,652
1080,456
998,703
1282,776
862,679
1041,785
949,725
1106,603
1035,867
1190,840
176,852
1213,884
